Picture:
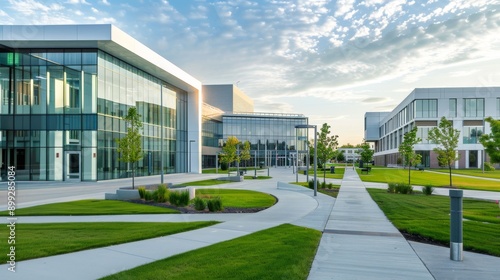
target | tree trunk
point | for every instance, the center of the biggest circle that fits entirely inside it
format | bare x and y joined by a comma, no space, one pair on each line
409,166
133,175
324,174
449,168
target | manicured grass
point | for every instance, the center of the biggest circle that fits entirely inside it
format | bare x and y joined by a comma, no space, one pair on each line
42,240
258,177
428,216
472,172
239,198
233,169
333,192
209,182
339,173
90,207
422,178
283,252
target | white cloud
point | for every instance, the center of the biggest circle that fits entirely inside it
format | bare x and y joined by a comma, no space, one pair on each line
344,6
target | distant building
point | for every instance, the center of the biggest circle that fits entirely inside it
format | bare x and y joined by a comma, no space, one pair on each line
350,154
423,107
228,111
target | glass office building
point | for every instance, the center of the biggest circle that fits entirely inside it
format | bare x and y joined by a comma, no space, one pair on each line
272,136
64,91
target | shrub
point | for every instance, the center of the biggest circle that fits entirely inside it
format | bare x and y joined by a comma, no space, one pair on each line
142,191
223,166
199,204
311,184
154,195
404,188
163,193
148,196
401,188
323,185
391,188
330,186
428,189
179,198
488,167
215,204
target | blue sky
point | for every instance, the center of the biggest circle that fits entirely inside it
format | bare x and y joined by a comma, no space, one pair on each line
330,60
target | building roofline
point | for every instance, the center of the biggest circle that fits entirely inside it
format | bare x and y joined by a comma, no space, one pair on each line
106,37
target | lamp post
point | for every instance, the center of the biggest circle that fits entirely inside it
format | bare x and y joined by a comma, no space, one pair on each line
189,159
315,154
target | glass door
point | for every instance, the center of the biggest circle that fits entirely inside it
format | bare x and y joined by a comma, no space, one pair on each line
73,162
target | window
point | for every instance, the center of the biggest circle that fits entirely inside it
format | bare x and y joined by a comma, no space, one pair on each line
474,107
425,108
452,113
471,134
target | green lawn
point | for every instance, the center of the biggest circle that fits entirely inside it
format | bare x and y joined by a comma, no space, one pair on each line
339,173
208,182
258,177
333,192
428,216
42,240
90,207
472,172
250,169
283,252
239,198
422,178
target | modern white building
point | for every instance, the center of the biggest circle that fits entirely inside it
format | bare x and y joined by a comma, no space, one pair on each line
350,154
64,90
423,107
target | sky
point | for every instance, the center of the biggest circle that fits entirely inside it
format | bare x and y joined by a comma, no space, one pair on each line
331,61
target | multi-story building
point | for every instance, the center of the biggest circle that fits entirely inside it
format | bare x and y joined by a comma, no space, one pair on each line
64,90
423,107
230,112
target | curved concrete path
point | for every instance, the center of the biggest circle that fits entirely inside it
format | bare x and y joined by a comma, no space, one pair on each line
358,241
295,204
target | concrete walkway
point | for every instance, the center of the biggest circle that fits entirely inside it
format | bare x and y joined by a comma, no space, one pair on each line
295,203
358,241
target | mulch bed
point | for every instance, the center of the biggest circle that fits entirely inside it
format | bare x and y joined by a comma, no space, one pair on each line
191,210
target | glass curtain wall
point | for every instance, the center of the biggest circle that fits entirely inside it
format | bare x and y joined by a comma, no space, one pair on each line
122,86
47,110
61,110
271,138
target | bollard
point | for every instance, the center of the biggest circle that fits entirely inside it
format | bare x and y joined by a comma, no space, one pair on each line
456,228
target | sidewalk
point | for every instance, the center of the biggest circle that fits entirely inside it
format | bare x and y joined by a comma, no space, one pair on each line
359,242
294,203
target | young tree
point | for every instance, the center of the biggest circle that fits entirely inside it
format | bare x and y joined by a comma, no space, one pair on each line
406,150
129,147
229,152
339,155
245,152
326,146
491,142
366,152
446,137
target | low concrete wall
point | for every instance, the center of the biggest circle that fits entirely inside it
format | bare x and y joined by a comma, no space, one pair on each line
127,194
232,178
122,194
